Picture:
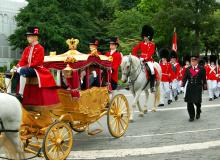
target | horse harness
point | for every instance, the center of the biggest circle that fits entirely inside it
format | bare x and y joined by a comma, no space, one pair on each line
5,130
129,73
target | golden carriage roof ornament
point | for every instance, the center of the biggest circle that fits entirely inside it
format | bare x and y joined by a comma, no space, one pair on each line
72,43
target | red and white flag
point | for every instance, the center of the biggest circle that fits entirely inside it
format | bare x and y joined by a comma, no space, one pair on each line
174,46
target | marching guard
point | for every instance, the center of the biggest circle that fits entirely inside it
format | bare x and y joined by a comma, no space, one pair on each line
31,64
211,74
196,77
165,79
116,61
175,73
147,48
183,70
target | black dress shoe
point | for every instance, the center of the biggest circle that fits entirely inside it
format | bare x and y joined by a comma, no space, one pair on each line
169,101
176,98
210,99
191,119
19,97
160,105
197,116
215,97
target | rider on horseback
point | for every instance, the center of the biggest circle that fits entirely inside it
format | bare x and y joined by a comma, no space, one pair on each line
147,48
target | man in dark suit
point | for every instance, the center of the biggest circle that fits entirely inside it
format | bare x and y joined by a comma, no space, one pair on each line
195,79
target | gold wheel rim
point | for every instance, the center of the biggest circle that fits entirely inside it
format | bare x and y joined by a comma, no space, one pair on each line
59,141
119,115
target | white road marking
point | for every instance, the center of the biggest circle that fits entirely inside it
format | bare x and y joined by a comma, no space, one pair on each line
183,107
116,153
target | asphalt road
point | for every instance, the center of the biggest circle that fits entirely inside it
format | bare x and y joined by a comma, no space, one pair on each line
163,135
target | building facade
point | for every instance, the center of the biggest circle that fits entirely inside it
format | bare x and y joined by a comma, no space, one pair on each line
8,10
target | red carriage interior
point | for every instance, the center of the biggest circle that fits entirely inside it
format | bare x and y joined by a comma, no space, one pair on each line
35,96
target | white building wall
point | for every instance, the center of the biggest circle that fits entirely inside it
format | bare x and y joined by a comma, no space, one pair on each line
8,10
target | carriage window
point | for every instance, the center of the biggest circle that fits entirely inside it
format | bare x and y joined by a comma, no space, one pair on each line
57,76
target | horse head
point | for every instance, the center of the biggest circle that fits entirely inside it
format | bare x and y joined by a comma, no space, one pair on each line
128,65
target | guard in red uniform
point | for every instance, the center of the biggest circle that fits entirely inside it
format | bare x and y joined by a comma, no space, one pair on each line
31,63
147,48
175,74
211,74
183,70
165,79
116,61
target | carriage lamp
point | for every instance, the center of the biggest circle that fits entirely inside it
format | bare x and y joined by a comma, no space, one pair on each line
67,71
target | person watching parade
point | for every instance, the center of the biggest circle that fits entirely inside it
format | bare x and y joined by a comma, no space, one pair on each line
147,48
196,77
116,61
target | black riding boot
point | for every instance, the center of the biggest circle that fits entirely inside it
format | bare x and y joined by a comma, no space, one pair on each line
152,81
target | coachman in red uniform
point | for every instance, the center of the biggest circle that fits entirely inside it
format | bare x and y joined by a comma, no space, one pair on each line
147,48
31,63
116,61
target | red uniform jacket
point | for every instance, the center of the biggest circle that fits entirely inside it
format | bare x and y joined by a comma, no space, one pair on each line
45,78
175,70
147,50
166,72
183,70
117,58
211,73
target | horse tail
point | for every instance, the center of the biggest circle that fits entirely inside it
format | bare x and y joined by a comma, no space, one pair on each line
157,86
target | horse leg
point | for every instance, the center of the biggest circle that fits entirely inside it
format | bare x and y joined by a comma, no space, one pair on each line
146,99
131,119
14,139
136,102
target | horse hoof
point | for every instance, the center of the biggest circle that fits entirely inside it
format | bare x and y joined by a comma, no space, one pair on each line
153,110
131,120
141,115
145,111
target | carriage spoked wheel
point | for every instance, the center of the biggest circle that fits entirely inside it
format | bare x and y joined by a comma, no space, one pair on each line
118,116
58,141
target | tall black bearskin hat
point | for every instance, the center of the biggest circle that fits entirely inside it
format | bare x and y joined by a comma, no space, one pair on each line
205,58
32,31
164,53
114,40
147,31
173,54
213,58
94,41
186,58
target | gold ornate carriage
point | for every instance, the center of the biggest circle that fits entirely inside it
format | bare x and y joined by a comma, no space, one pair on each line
78,103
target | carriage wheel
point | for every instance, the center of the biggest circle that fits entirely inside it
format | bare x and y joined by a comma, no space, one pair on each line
118,116
58,141
78,128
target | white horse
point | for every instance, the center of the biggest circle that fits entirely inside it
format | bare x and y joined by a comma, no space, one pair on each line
11,116
134,69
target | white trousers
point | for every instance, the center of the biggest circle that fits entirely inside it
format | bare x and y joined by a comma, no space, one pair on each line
218,89
151,66
164,91
174,86
212,88
8,84
179,86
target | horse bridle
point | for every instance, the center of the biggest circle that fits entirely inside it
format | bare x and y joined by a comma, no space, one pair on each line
129,72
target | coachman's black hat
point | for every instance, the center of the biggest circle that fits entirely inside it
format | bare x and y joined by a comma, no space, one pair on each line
32,31
94,41
114,40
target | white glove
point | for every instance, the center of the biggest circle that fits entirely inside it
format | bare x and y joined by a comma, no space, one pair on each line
18,69
142,59
94,74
